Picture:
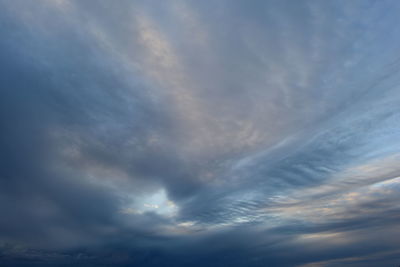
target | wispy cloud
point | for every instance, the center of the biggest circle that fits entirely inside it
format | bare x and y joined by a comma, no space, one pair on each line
199,132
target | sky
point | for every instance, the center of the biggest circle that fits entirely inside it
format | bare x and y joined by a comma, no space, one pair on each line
199,133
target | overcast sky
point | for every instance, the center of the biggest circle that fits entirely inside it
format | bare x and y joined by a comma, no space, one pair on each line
199,133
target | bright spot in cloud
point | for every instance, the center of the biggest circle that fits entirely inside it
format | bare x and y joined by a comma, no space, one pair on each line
157,202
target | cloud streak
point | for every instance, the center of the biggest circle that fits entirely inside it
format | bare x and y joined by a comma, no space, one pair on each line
187,133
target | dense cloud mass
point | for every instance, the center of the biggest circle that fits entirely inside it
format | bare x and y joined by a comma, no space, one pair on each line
199,133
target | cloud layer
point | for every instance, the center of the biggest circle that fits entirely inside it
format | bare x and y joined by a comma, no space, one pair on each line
199,133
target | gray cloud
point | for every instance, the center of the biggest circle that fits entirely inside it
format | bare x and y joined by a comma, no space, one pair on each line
199,133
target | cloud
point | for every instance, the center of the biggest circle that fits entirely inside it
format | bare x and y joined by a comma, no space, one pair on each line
209,133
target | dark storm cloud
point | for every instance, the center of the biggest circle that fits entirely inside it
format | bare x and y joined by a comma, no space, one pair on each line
199,133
